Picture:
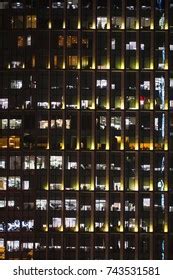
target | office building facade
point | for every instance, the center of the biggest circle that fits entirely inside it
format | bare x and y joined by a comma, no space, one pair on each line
86,144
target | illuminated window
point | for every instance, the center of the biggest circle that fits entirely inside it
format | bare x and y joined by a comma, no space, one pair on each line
27,225
31,21
72,61
131,46
61,41
145,85
99,225
116,123
72,4
41,204
14,142
44,105
4,5
71,41
27,245
68,124
2,163
162,22
25,185
116,206
55,186
59,123
2,226
16,84
20,41
3,183
55,204
56,162
100,205
13,226
129,206
3,103
160,92
145,22
146,202
43,124
17,5
70,205
85,207
15,162
3,142
41,162
101,83
3,123
16,64
131,22
102,22
11,203
70,223
2,203
72,165
55,105
116,22
13,246
85,62
56,223
28,40
29,162
58,4
15,123
14,182
130,224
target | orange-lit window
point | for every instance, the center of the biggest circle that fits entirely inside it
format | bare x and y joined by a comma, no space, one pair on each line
71,41
31,21
55,60
33,61
20,41
3,142
14,142
72,61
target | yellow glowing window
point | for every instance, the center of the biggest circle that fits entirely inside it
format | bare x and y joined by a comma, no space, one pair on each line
31,21
14,142
2,253
20,41
3,183
72,61
85,61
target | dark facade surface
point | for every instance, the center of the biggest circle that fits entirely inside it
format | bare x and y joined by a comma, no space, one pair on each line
86,120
